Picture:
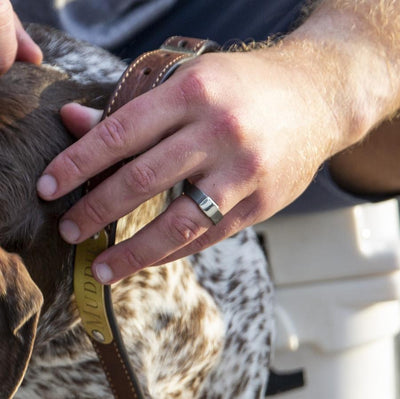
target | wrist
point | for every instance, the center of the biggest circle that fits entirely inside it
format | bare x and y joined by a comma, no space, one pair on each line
352,65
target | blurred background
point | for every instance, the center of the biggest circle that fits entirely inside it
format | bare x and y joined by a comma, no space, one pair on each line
337,282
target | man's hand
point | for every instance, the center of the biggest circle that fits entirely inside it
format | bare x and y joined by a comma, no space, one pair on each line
238,125
249,129
15,43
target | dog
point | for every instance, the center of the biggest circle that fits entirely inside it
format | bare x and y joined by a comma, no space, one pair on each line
200,327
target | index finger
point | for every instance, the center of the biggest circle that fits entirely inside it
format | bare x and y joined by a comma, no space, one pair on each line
8,39
27,50
136,126
14,40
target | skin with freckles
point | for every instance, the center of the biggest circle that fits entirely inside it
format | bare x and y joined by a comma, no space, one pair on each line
249,129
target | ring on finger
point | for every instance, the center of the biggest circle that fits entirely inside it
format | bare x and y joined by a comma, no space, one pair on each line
206,204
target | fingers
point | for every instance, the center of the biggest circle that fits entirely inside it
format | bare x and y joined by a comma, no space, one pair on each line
176,131
129,131
161,168
180,225
244,214
8,39
79,119
171,230
178,232
15,43
27,50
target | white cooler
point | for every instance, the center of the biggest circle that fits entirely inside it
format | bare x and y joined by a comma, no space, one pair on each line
337,281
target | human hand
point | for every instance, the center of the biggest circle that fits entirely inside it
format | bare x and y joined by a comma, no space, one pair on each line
15,43
246,128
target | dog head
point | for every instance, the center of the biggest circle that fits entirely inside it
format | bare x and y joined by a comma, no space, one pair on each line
35,263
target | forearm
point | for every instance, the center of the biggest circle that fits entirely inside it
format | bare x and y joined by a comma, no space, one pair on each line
352,48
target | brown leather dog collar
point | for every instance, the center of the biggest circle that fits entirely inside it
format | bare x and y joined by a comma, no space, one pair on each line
93,299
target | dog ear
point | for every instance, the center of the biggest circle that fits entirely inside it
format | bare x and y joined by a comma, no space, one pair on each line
20,304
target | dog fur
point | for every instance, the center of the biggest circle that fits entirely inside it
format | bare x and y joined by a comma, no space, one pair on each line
196,328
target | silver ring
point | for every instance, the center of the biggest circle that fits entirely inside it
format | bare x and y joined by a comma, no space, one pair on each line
203,201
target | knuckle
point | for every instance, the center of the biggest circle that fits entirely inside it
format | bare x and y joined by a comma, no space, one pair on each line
72,163
95,210
228,125
140,178
181,230
201,242
113,133
251,167
193,88
257,209
133,260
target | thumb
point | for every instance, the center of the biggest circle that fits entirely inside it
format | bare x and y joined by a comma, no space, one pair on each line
79,119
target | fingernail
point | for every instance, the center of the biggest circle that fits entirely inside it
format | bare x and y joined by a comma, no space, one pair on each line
103,273
47,185
94,115
69,231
